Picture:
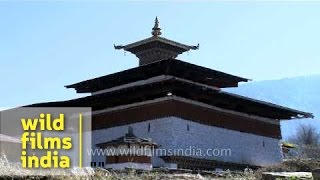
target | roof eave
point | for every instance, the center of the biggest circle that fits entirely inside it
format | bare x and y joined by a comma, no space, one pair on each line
128,47
298,114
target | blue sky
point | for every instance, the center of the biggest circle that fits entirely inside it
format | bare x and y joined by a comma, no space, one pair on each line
46,45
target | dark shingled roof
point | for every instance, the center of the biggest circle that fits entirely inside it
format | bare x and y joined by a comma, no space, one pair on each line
171,67
182,89
133,47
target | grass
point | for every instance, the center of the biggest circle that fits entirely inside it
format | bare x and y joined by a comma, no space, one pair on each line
14,171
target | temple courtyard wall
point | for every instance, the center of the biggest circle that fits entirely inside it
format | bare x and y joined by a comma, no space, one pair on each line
176,135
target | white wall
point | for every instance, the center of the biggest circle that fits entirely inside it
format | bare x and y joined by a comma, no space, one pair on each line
171,133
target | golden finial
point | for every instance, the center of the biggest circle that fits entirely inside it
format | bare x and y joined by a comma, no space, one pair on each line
156,30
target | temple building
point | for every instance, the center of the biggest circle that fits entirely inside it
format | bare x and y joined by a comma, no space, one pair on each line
181,106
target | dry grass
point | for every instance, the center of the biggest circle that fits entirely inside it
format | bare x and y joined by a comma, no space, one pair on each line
294,165
13,170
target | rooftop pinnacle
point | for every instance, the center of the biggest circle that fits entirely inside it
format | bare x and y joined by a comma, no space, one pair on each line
156,30
156,48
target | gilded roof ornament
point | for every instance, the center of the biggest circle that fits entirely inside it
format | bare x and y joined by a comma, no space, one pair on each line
156,30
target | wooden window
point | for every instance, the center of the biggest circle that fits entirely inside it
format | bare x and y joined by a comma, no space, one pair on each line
101,164
93,164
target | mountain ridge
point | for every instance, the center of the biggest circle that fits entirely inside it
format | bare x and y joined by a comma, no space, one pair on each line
301,93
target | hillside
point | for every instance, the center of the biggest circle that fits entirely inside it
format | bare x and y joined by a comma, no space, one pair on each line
302,93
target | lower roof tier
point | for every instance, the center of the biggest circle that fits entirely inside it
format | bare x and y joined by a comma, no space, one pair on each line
183,89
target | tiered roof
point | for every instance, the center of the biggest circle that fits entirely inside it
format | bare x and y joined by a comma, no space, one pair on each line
180,88
161,76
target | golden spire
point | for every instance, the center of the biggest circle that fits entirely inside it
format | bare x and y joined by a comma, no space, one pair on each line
156,30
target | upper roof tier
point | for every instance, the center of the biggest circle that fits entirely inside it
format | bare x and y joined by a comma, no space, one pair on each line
156,48
169,67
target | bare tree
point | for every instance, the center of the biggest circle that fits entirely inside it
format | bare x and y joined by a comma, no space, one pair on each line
308,140
306,135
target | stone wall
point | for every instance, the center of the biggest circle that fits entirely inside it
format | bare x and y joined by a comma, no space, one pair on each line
175,135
